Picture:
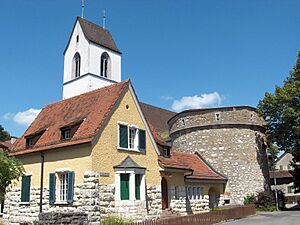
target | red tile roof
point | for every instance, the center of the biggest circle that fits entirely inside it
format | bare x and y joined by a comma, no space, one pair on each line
194,162
91,108
158,117
6,145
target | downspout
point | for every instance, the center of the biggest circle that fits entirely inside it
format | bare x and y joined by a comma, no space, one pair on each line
42,181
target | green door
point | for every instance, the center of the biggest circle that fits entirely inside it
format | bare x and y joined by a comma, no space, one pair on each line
124,186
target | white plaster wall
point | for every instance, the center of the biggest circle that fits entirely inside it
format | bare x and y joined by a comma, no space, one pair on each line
84,84
284,161
95,53
82,47
90,54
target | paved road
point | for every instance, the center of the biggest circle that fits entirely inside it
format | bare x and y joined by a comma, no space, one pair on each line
269,218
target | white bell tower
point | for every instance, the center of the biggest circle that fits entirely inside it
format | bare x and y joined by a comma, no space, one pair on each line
91,59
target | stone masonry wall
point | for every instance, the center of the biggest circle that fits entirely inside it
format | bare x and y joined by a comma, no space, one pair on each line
233,145
184,205
86,199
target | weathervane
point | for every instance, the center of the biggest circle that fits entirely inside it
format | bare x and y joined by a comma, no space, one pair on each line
104,18
82,8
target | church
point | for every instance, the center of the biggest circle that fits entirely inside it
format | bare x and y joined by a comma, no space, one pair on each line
101,152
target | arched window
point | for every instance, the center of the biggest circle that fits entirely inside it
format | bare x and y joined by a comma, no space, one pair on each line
105,65
76,65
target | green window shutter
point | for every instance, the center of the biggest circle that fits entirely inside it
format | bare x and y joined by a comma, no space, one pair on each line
124,186
123,136
70,193
52,181
25,190
138,186
142,140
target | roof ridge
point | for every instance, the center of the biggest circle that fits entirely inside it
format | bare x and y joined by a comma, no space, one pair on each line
87,93
158,107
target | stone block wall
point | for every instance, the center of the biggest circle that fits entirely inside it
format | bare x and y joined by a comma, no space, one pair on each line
183,205
234,145
86,199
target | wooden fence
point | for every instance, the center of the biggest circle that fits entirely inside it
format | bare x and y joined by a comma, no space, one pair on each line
205,218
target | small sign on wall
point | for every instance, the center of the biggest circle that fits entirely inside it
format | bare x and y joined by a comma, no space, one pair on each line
104,174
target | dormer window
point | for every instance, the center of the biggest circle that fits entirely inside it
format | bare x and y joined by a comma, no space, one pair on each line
66,134
29,142
166,152
33,138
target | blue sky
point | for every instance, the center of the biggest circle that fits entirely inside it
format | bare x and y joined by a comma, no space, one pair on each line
178,54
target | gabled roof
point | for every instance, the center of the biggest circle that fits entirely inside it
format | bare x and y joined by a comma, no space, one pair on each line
90,110
98,34
158,117
201,170
128,163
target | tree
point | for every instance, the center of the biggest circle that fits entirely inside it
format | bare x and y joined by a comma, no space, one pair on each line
10,169
281,111
4,135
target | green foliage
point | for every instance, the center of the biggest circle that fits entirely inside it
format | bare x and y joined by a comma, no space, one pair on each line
10,169
115,220
4,135
249,199
281,111
265,201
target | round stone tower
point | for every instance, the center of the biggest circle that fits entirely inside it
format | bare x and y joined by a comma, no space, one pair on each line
232,140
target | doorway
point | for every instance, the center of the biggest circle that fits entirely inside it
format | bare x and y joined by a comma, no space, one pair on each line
164,193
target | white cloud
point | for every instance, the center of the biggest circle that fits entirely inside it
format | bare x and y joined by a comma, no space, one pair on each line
167,98
23,118
203,101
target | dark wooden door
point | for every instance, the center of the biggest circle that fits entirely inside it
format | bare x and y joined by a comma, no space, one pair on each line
164,193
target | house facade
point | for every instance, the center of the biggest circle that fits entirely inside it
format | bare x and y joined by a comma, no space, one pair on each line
101,152
282,178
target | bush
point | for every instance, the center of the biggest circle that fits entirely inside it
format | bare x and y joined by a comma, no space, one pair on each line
249,199
265,201
115,220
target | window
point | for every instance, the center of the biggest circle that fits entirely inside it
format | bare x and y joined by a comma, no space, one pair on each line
194,193
217,115
61,191
76,65
63,186
105,65
166,152
25,188
66,134
176,192
124,186
290,189
132,138
138,179
280,167
189,193
29,142
77,38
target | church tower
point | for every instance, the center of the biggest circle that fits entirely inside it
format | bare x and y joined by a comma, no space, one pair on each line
91,59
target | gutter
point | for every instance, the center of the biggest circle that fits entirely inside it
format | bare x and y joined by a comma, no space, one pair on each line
42,181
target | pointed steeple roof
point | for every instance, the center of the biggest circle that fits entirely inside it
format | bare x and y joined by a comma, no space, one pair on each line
129,163
98,34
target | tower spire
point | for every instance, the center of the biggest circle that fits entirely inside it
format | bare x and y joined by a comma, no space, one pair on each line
104,19
82,8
